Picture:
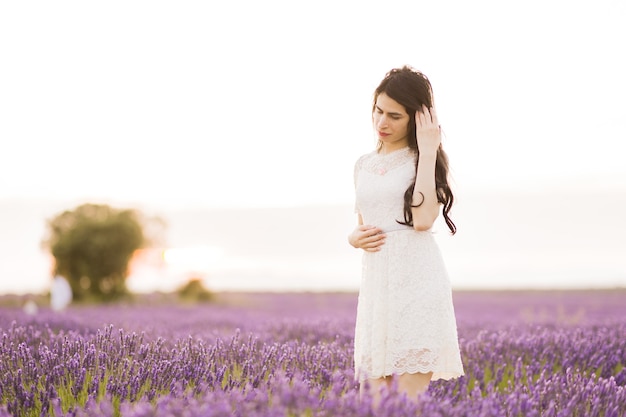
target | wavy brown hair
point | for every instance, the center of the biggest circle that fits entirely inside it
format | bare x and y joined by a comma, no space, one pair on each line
412,89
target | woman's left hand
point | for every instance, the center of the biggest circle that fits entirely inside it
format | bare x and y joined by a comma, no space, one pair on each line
427,130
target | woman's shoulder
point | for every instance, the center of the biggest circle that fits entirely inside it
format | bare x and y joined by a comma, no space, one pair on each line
365,157
363,161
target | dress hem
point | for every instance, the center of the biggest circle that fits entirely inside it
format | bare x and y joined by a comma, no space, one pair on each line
445,375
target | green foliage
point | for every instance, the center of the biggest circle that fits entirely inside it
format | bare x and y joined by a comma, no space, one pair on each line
194,291
92,246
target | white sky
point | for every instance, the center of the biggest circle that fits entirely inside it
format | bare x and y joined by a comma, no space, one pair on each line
267,103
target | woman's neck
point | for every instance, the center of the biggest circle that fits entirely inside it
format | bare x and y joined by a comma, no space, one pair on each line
386,148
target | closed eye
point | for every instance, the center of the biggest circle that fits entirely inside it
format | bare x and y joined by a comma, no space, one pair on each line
393,115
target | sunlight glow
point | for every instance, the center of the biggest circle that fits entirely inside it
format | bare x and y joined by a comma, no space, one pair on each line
200,258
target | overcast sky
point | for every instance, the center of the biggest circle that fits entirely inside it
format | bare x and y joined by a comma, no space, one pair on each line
267,103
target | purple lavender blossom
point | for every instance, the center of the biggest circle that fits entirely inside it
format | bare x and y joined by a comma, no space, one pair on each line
261,355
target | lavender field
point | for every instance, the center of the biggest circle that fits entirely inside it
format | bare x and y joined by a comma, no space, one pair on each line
525,354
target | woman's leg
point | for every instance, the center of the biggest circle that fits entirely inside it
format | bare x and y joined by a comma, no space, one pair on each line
414,384
374,388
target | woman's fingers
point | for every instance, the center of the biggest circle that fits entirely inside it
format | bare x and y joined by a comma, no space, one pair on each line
377,235
373,247
433,117
426,116
371,239
370,243
374,241
420,119
427,128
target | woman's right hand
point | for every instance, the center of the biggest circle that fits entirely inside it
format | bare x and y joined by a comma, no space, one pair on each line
366,237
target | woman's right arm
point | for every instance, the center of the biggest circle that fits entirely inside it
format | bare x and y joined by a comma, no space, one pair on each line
366,237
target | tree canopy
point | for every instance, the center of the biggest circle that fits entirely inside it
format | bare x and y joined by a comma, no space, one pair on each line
92,246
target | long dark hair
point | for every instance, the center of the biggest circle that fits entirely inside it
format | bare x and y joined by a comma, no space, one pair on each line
412,89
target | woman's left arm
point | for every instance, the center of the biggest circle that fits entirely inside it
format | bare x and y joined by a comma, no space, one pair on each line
425,207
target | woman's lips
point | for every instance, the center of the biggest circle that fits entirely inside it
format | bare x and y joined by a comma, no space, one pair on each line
383,134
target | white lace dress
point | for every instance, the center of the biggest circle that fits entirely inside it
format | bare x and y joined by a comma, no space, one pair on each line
405,316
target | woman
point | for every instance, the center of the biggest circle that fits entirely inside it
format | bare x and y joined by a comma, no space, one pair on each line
406,328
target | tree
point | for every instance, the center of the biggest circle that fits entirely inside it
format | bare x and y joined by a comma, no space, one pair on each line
92,246
194,291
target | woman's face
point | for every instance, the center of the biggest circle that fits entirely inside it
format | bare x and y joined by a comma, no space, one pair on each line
391,122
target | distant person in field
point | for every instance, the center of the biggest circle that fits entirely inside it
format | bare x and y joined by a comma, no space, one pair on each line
406,328
60,293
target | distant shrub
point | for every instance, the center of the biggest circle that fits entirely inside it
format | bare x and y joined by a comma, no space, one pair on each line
194,291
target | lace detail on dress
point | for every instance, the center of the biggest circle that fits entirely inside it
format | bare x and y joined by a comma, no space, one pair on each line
410,361
405,316
380,182
380,164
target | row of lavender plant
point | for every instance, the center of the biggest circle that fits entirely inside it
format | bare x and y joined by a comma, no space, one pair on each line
291,355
